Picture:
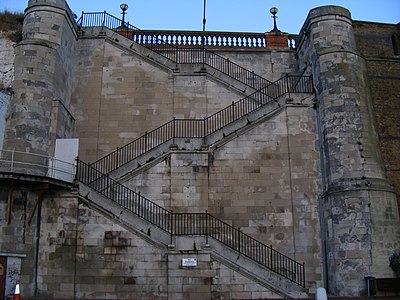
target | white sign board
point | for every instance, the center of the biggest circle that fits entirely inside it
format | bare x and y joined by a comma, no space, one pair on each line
189,262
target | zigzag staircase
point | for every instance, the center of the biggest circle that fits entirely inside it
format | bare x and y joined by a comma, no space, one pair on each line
261,262
206,129
98,186
95,184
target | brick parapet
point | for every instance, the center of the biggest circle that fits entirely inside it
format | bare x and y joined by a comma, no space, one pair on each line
276,40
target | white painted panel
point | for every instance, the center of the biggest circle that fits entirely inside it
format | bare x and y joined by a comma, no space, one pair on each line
63,165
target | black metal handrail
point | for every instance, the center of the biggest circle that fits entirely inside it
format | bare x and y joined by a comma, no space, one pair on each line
202,128
211,59
170,49
104,19
191,224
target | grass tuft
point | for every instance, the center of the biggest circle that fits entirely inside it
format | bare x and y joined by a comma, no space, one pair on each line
11,24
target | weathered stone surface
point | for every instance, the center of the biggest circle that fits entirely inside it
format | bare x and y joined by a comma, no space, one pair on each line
352,170
42,68
229,284
287,176
4,104
7,57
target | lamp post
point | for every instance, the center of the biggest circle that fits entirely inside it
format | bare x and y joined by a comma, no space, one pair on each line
204,16
124,8
274,11
204,34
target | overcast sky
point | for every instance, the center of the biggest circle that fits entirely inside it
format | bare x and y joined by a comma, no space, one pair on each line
225,15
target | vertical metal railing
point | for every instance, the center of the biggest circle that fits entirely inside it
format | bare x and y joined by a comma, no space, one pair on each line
191,224
209,58
123,196
36,164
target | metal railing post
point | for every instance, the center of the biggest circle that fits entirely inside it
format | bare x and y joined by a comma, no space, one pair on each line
287,84
173,131
204,55
172,225
206,227
204,131
271,259
51,163
238,239
145,141
104,18
76,168
233,112
82,18
12,160
139,206
117,156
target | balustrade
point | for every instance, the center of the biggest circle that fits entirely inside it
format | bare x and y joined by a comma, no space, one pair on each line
199,39
177,38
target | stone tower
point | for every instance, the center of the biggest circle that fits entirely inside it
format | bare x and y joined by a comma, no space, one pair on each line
359,216
39,108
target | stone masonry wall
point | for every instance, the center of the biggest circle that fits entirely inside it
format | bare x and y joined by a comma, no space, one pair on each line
127,96
229,284
264,181
82,254
119,95
271,64
6,76
85,254
377,39
18,224
380,45
6,61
